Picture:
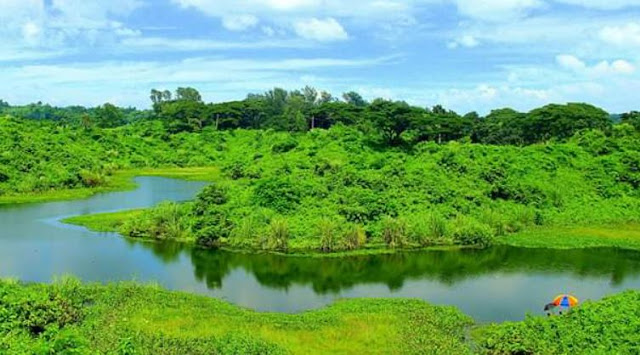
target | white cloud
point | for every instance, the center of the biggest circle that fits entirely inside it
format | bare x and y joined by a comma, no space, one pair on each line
239,22
602,68
326,30
152,44
625,35
90,83
497,10
602,4
40,23
571,62
290,14
467,41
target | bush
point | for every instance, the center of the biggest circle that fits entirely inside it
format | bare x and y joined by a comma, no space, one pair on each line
427,229
354,237
285,146
468,231
277,237
40,309
394,232
328,230
211,196
278,193
168,220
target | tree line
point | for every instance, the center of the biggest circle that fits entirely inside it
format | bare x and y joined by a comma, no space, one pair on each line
396,122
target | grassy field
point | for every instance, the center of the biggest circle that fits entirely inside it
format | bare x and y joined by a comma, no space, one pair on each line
119,181
624,236
67,317
134,319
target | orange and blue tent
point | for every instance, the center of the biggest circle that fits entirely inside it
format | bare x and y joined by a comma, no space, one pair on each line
565,301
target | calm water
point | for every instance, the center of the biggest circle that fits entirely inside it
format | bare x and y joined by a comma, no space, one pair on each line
498,284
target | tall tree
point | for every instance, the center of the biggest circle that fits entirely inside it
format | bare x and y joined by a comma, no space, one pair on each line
353,98
109,116
188,94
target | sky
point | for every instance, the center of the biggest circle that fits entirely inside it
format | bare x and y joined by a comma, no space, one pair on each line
467,55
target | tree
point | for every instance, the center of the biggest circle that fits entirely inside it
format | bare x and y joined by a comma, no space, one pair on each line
563,121
109,116
188,94
502,126
392,118
632,118
353,98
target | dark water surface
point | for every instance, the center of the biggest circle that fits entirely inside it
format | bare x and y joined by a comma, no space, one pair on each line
501,283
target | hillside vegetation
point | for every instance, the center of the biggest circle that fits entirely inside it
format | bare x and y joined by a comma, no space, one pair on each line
314,173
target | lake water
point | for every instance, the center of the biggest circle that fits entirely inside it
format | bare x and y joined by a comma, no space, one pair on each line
501,283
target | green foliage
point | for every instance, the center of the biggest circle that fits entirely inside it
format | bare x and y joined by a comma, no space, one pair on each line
427,229
329,232
468,231
415,166
394,232
605,327
165,221
128,319
354,237
279,193
277,236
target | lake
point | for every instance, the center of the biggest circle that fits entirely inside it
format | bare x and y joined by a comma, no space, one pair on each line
495,284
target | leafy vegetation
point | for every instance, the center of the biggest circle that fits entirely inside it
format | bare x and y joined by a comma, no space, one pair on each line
435,194
623,236
312,169
68,318
610,326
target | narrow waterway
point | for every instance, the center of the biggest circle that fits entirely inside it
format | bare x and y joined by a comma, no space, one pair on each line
501,283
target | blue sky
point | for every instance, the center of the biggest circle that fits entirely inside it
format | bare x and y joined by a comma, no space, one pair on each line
464,54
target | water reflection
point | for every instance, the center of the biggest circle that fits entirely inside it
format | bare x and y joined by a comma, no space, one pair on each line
333,275
501,283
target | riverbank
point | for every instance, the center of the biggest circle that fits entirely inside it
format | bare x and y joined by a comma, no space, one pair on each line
135,319
119,181
622,236
129,318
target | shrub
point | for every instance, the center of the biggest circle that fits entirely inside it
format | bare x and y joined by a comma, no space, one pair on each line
354,237
211,196
278,193
328,230
212,227
285,146
468,231
277,237
427,229
91,179
394,232
168,220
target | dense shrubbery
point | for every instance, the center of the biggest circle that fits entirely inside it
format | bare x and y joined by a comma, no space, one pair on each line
388,176
610,326
335,192
128,319
69,318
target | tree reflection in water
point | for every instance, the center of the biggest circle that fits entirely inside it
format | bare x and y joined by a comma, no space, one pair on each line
332,275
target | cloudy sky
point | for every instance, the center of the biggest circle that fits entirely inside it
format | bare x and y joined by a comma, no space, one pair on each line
464,54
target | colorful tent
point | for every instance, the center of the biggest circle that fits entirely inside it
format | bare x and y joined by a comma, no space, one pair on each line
565,301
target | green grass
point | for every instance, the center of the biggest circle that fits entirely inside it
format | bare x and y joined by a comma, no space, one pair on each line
103,222
134,319
624,236
609,326
67,317
119,181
